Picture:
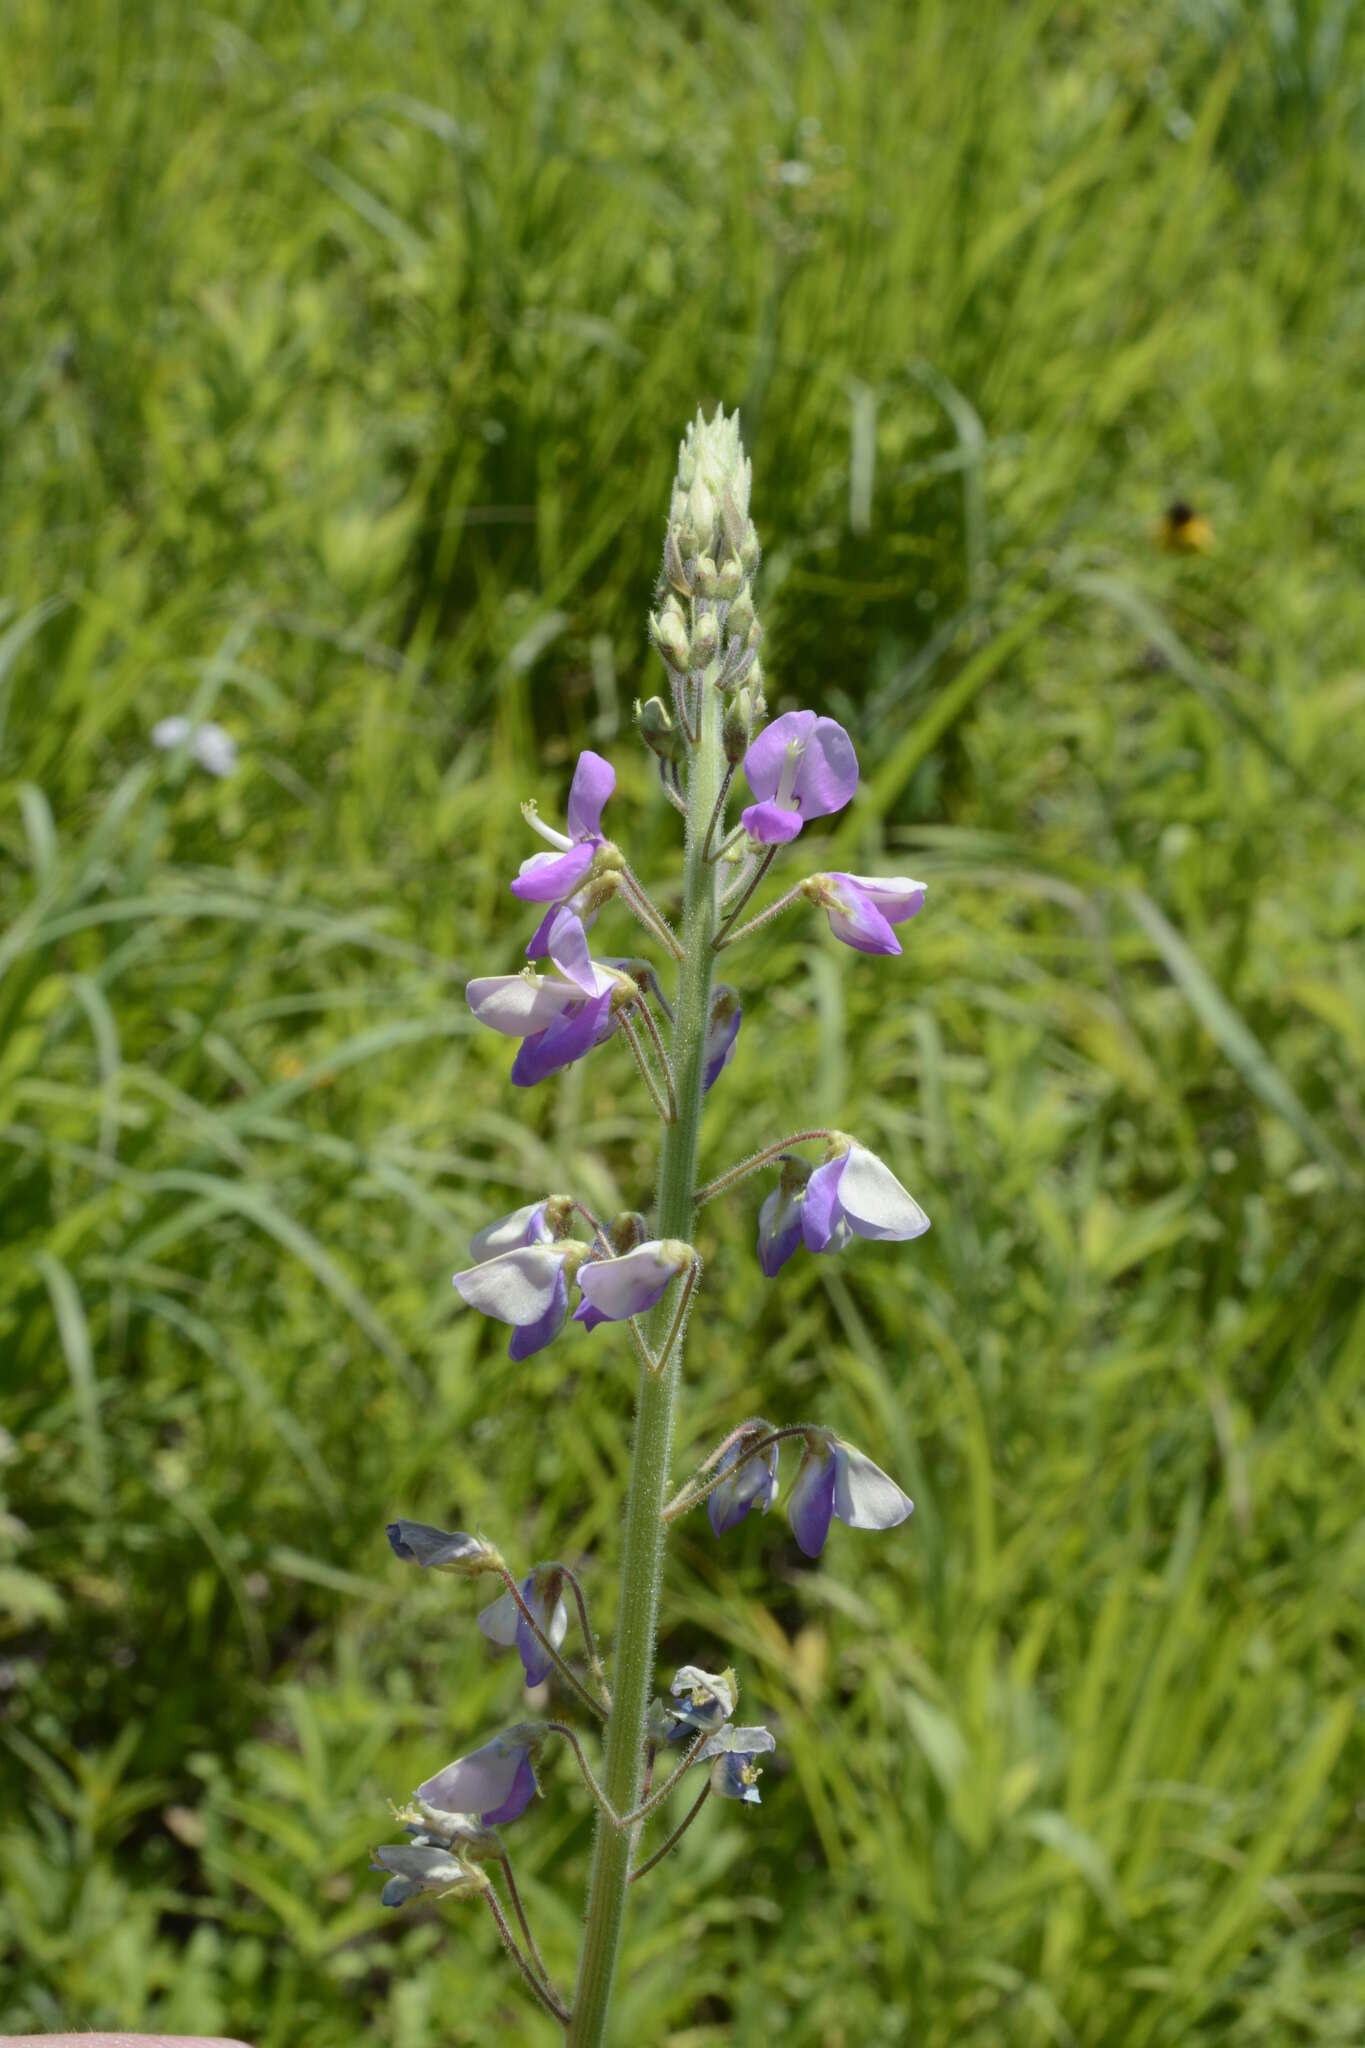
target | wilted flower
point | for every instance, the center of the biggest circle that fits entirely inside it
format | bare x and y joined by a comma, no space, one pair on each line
750,1482
441,1550
721,1034
707,1700
854,1194
734,1774
425,1867
505,1624
527,1287
497,1782
800,767
616,1288
863,908
210,746
835,1480
551,877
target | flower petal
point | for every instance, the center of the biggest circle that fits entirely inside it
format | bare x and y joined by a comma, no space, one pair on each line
828,772
722,1035
528,1338
516,1287
751,1483
821,1214
855,918
770,825
779,1229
550,877
522,1227
896,896
593,782
618,1288
767,755
874,1201
810,1507
864,1496
522,1791
567,944
436,1549
501,1621
491,1781
572,1034
519,1004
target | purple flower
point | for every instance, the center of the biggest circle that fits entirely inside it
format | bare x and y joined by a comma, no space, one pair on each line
863,908
779,1217
527,1287
707,1700
800,767
505,1624
751,1481
424,1867
551,877
721,1034
854,1194
835,1480
734,1774
498,1782
559,1017
616,1288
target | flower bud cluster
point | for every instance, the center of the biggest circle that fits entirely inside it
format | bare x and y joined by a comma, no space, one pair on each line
704,624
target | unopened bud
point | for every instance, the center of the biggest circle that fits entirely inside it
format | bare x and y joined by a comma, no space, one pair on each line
734,731
670,634
705,576
749,550
740,618
626,1230
673,562
729,580
659,731
559,1214
705,639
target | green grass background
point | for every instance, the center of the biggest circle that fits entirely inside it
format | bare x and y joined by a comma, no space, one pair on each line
345,348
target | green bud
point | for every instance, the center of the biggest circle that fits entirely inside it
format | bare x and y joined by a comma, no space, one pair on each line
749,551
705,639
559,1214
734,731
740,618
670,634
673,563
705,576
659,732
729,581
626,1230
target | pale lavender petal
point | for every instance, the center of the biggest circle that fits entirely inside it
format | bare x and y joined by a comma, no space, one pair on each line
811,1506
896,896
828,774
568,948
779,1230
509,1233
517,1287
767,756
770,825
528,1338
618,1288
550,877
855,918
874,1202
538,945
820,1210
593,782
501,1621
496,1782
518,1005
864,1496
523,1790
566,1040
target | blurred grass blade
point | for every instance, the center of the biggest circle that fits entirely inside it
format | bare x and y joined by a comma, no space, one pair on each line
73,1330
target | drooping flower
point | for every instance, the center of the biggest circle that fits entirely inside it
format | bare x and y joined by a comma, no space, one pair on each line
750,1481
779,1216
835,1480
505,1624
552,877
616,1288
213,749
722,1032
863,908
497,1782
854,1194
731,1753
559,1017
706,1701
527,1287
425,1867
441,1550
800,767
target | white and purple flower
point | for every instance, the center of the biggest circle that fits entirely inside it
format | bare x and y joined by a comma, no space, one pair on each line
855,1195
614,1289
416,1867
863,908
441,1550
722,1032
527,1287
559,1017
553,877
750,1481
497,1782
706,1700
837,1482
800,767
731,1753
505,1624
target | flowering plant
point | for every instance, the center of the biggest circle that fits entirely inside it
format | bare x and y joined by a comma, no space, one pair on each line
526,1267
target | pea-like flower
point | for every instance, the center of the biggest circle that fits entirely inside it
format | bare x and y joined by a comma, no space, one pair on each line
557,1017
425,1867
527,1287
854,1194
505,1624
552,877
731,1753
721,1034
706,1700
835,1481
750,1480
441,1550
616,1288
863,908
497,1782
800,767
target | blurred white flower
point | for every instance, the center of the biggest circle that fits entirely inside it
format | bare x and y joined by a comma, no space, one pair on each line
213,749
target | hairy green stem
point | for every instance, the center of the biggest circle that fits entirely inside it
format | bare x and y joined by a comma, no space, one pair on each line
642,1563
